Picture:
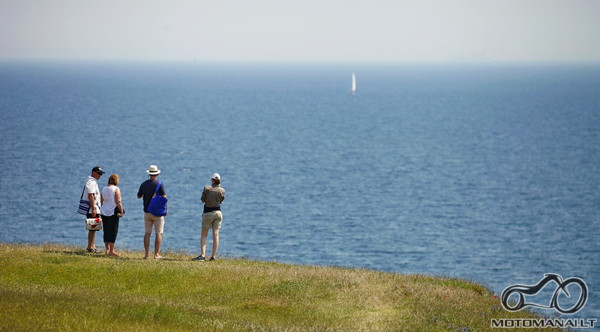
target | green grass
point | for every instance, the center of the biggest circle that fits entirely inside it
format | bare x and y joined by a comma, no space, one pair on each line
54,287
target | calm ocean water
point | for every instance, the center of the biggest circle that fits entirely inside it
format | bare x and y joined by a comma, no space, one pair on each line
489,173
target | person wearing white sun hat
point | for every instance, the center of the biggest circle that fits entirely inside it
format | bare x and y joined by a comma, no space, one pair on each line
147,190
212,197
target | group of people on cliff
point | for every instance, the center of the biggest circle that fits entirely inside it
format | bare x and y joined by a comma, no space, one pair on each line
108,206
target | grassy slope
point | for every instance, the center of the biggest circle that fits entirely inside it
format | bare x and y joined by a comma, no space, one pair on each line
56,287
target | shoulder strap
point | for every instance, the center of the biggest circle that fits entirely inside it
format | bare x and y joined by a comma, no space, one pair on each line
156,191
84,185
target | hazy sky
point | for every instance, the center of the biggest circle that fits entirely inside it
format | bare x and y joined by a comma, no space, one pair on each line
302,30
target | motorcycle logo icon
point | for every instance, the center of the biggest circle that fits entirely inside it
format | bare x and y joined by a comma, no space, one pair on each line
522,290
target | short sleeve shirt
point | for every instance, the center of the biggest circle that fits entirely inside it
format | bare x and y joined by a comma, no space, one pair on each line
91,187
147,189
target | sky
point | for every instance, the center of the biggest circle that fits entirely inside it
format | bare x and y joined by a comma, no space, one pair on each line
301,30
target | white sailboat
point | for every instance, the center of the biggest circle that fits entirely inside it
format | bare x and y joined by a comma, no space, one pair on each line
353,88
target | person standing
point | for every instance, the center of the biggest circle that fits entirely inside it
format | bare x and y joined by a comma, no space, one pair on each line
212,217
92,193
112,209
147,191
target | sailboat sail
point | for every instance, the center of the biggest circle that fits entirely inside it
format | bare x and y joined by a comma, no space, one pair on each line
353,89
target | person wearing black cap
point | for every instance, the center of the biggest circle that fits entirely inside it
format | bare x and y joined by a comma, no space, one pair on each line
92,192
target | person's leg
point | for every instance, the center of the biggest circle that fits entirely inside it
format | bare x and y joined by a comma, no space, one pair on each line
216,226
91,240
215,244
107,231
203,242
148,232
147,244
114,239
206,224
109,235
157,243
159,223
91,237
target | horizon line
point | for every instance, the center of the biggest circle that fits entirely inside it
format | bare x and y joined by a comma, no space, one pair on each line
273,61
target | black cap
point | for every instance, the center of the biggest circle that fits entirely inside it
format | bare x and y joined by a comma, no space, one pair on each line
98,170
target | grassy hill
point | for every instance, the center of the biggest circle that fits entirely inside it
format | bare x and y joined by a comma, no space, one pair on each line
55,287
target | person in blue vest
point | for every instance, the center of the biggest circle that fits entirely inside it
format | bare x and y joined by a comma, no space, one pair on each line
146,191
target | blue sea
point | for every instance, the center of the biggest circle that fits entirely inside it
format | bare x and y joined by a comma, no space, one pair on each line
485,172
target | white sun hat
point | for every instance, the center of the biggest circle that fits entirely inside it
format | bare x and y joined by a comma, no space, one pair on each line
153,170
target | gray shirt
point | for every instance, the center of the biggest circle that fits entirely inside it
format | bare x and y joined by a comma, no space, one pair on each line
213,196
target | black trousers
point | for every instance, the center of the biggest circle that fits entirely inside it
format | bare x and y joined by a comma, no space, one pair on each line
110,225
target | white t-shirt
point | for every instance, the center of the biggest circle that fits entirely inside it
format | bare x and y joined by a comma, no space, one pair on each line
108,194
91,187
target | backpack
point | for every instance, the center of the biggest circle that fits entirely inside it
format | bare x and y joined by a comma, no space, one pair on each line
158,204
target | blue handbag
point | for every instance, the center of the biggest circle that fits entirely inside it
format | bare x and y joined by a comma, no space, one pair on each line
84,205
158,204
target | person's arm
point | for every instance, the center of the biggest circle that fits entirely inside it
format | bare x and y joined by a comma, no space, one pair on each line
203,197
118,200
140,194
161,191
164,194
92,200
